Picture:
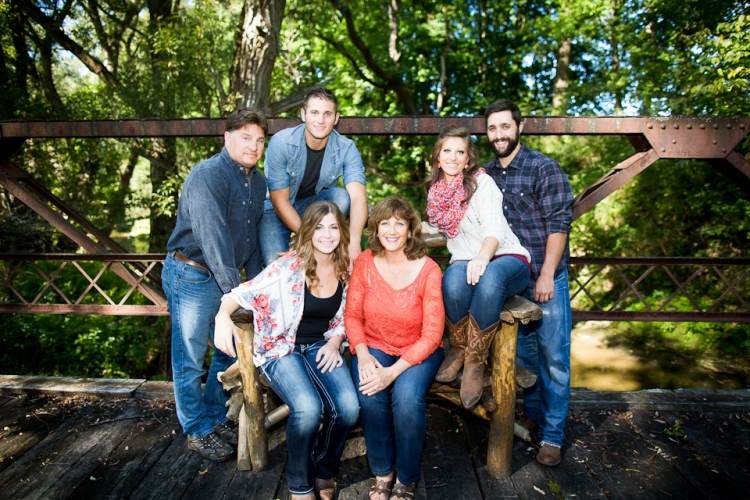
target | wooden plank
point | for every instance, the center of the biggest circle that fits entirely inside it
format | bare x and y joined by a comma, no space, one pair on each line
171,474
631,467
123,469
355,477
25,422
477,436
57,439
572,477
711,480
447,469
69,386
719,446
265,484
660,400
61,472
162,391
212,480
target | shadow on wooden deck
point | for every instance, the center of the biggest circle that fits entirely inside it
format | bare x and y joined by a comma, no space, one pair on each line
57,447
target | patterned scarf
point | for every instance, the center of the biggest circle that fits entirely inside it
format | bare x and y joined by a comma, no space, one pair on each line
444,203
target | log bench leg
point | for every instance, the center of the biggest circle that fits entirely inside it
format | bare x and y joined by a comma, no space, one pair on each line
500,446
255,449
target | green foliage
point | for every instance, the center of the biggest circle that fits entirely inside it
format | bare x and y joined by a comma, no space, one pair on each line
81,346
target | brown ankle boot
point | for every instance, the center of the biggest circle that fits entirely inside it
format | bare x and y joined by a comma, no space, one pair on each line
477,347
448,370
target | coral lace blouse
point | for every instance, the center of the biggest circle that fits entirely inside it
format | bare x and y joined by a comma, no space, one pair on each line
407,323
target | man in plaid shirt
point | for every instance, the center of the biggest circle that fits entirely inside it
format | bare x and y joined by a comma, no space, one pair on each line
537,202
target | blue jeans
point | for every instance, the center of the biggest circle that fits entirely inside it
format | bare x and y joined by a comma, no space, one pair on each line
401,411
544,348
274,235
307,391
194,297
504,277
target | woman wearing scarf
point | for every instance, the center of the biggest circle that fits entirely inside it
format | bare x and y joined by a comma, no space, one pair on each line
488,263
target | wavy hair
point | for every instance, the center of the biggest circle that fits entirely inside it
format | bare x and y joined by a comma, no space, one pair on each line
302,243
469,182
394,206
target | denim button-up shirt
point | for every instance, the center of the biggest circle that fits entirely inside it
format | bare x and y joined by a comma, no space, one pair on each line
217,219
286,158
537,201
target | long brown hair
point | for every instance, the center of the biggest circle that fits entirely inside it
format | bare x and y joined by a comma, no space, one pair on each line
394,206
302,243
469,182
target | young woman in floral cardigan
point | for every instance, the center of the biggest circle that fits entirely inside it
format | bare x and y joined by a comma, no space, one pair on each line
298,307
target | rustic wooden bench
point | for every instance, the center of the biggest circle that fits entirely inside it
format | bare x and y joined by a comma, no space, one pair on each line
498,402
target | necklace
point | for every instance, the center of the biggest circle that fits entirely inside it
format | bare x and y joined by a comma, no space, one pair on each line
390,270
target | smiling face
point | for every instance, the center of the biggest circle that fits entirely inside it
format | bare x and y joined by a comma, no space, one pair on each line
327,235
453,158
503,133
393,233
319,116
245,145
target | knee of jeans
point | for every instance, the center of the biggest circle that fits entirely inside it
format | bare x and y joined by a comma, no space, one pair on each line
349,412
341,198
309,416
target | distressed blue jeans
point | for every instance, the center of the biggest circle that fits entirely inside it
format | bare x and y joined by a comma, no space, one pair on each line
544,348
399,413
504,277
274,235
194,297
313,397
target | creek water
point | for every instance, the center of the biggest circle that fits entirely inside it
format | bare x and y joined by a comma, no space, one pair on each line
596,365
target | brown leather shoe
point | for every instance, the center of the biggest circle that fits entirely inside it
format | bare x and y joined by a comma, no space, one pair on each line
548,455
477,348
450,366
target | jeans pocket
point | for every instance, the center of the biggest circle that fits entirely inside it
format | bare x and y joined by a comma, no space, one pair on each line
193,275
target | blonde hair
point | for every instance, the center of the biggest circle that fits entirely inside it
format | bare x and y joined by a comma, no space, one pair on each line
302,243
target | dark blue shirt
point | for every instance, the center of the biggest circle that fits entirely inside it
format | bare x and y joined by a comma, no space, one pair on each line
217,219
537,201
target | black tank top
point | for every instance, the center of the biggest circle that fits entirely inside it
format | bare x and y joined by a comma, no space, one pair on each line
317,315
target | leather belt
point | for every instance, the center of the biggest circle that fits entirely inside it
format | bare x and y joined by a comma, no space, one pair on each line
177,255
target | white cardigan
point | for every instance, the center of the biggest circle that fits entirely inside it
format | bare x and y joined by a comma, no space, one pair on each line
484,217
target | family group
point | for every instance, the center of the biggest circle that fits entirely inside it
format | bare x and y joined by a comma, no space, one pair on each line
311,288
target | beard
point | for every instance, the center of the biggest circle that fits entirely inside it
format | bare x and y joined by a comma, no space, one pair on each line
504,152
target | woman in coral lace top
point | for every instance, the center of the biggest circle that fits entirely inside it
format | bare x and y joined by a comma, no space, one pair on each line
394,321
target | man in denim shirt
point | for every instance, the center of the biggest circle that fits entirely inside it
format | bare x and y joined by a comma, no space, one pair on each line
303,165
537,202
216,236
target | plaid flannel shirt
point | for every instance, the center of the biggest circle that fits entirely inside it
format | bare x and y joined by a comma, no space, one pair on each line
537,201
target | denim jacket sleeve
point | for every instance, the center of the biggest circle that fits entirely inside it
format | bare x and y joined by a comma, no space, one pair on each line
354,169
210,226
275,164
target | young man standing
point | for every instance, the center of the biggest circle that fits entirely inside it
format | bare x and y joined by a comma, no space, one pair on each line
303,165
216,235
537,202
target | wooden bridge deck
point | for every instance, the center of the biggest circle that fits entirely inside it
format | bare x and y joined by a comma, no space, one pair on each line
58,447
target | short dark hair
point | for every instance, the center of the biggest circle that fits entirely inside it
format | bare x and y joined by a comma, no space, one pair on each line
246,116
499,106
321,93
394,206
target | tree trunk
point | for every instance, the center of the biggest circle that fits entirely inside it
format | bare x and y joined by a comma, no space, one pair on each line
562,78
256,48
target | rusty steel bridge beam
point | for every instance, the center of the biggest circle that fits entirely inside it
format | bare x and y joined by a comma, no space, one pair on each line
677,127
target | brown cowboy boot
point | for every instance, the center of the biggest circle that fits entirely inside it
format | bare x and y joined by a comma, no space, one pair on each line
448,370
477,347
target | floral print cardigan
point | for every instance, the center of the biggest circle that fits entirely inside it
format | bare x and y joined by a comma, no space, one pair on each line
277,298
